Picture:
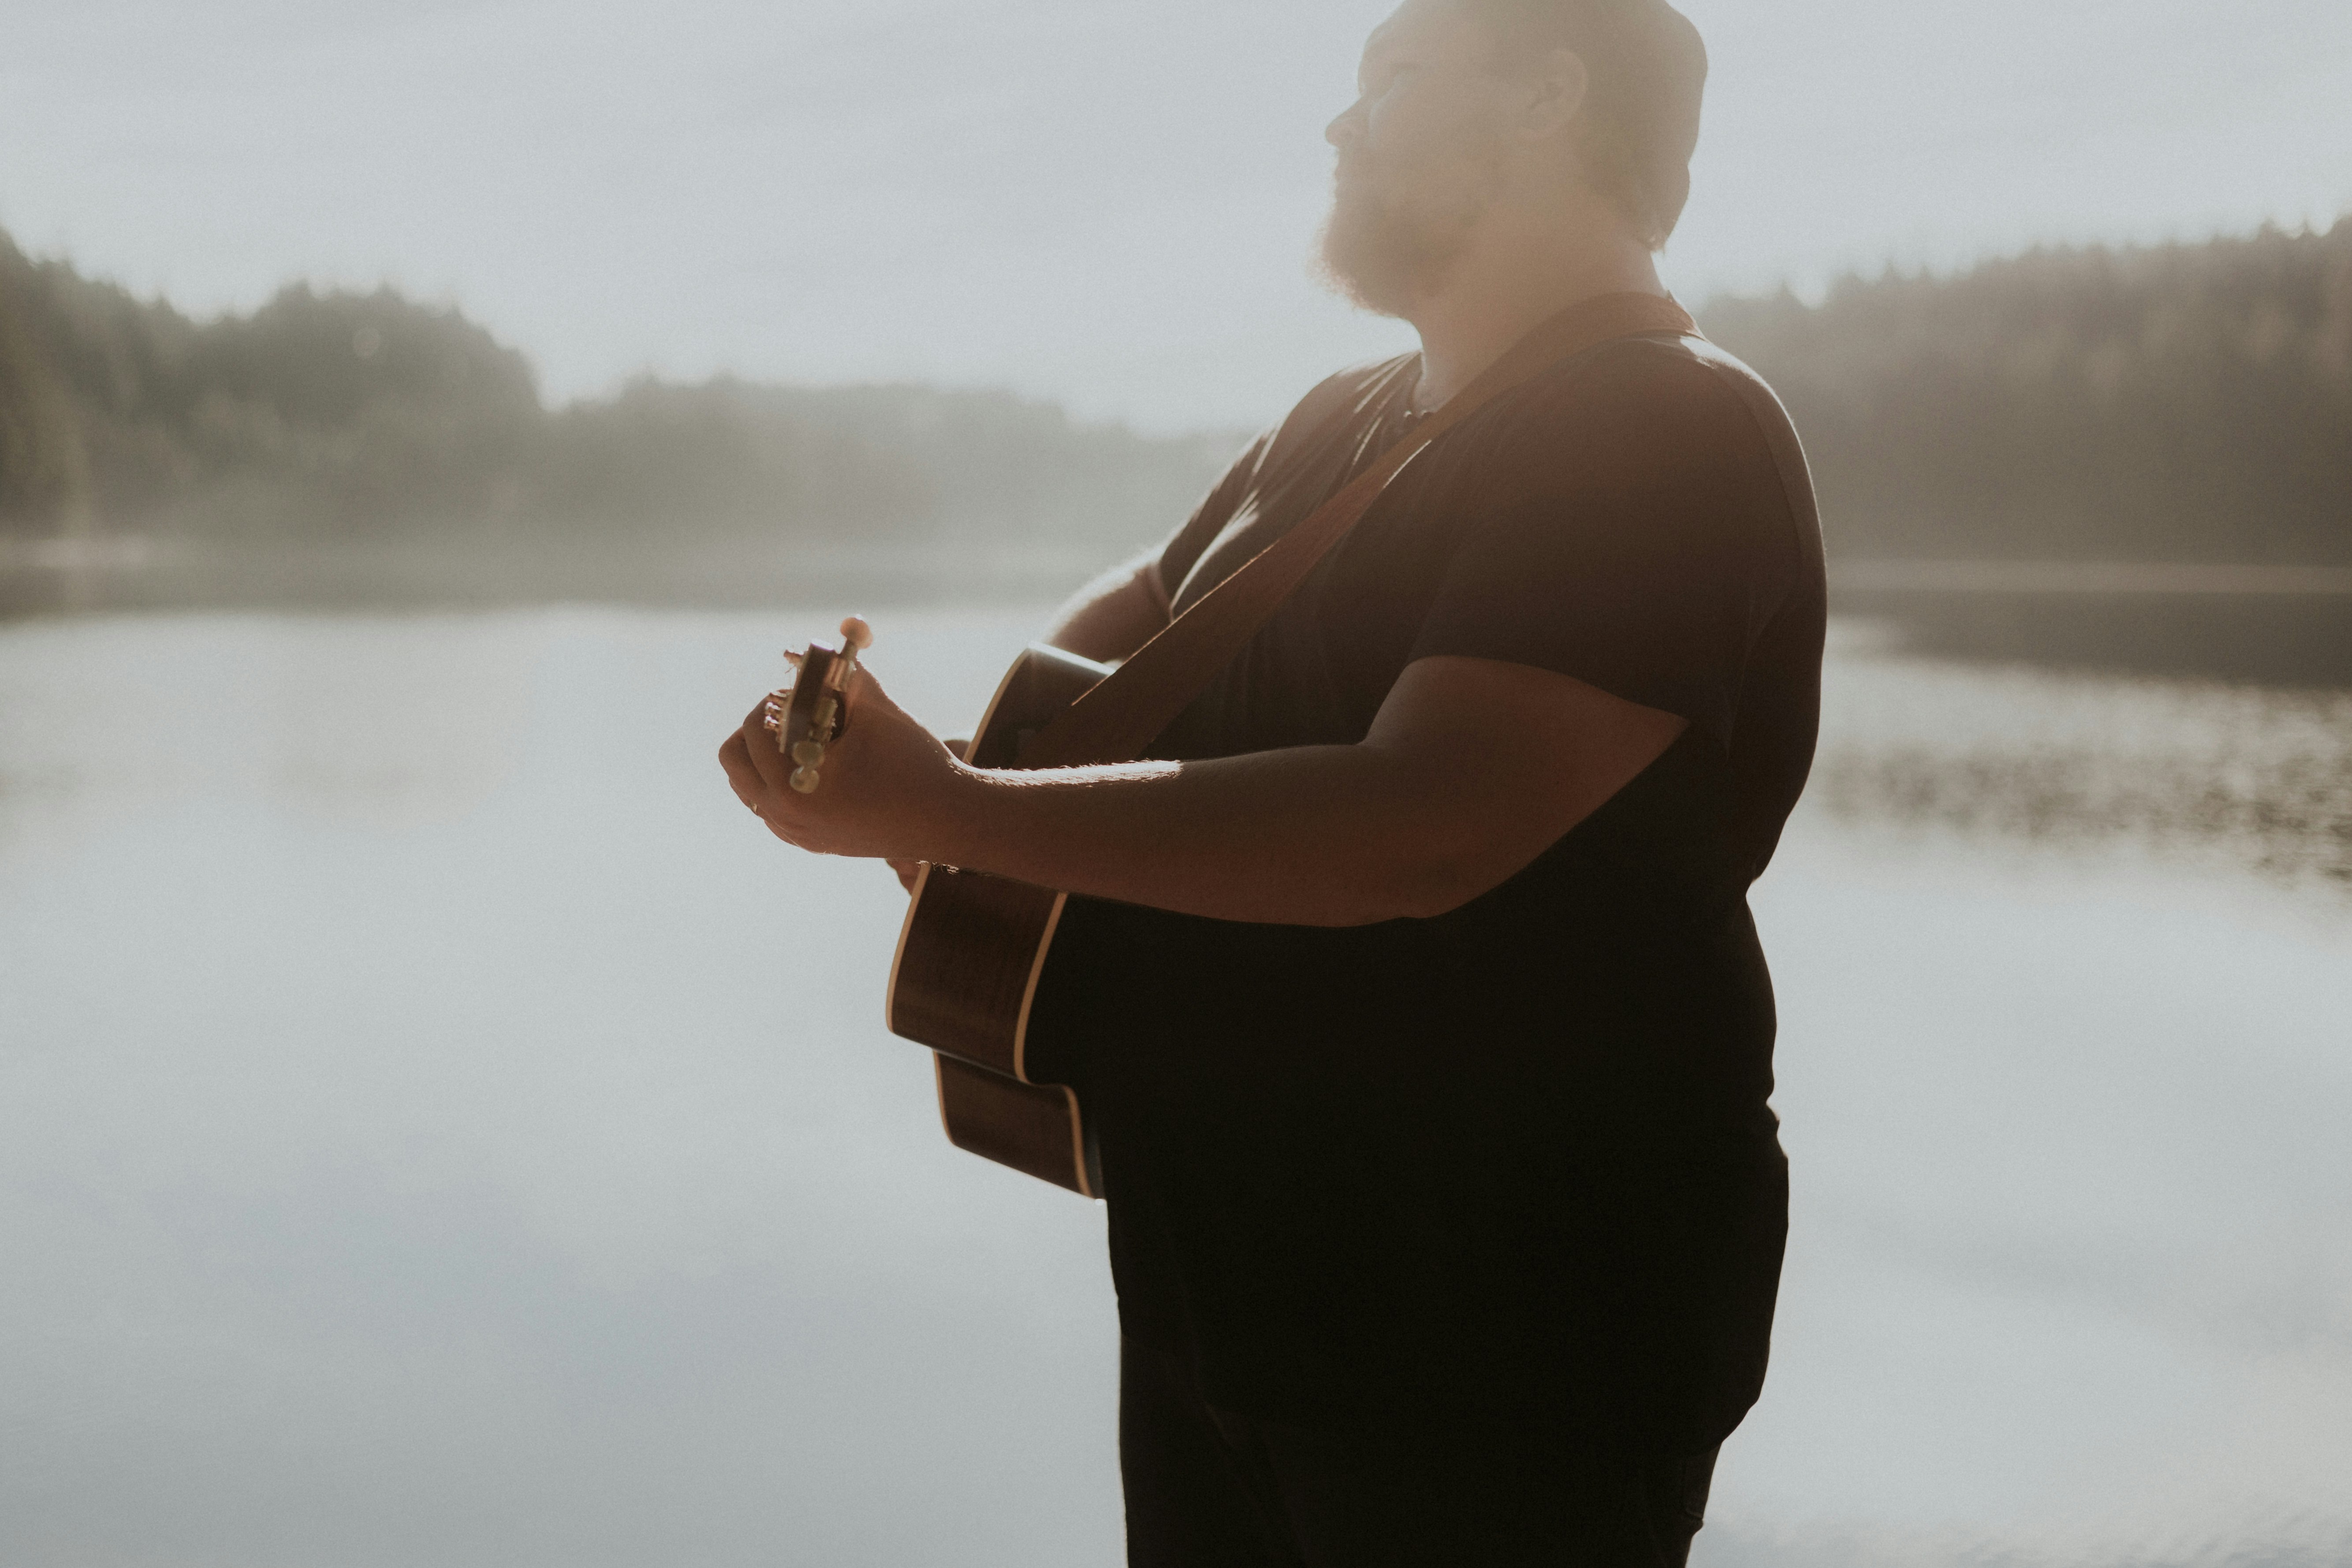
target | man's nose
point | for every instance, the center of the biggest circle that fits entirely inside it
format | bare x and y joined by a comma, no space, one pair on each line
1348,127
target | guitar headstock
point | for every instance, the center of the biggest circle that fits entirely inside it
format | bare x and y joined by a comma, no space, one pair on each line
812,712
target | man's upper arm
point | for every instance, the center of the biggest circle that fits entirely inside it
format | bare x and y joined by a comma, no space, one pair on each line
1600,598
1636,538
1117,614
1516,757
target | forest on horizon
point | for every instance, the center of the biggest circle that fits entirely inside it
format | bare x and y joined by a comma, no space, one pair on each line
2180,403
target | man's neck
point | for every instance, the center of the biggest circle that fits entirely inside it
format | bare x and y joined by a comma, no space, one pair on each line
1503,286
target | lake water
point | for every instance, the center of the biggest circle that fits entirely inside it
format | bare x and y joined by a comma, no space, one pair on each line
438,1126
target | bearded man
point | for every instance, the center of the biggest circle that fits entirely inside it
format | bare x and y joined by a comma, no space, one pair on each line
1446,1208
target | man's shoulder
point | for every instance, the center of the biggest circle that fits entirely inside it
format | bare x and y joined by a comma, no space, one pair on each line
1694,368
1672,428
1643,404
1648,379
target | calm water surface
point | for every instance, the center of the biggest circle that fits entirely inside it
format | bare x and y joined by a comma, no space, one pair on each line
437,1127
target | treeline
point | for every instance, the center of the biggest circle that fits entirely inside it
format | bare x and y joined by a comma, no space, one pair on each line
2177,403
366,418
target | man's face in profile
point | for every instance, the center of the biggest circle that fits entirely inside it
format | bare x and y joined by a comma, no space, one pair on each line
1422,155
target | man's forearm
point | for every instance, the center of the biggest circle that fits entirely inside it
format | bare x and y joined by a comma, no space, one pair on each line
1471,769
1276,836
1329,836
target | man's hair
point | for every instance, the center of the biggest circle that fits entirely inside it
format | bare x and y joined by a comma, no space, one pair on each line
1648,70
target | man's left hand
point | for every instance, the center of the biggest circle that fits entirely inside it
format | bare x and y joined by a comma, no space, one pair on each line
884,789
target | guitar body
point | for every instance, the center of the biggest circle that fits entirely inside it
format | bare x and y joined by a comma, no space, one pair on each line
969,955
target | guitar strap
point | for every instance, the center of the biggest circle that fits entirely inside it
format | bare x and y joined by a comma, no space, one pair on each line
1126,710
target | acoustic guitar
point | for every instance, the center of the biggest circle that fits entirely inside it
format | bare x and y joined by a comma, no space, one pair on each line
972,947
970,953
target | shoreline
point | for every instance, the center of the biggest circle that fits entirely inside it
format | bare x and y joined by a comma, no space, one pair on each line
2259,623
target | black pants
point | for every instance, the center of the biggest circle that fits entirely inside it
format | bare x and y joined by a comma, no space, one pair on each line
1210,1488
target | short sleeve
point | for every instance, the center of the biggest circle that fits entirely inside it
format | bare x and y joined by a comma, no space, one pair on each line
1635,534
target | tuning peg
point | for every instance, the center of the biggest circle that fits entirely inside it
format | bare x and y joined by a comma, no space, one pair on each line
857,635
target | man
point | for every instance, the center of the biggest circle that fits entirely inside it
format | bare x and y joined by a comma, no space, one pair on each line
1424,1026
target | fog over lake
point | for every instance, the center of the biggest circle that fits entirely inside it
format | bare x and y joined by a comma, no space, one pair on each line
1106,203
438,1127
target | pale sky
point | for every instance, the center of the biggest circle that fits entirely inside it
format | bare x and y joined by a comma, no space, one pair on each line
1099,201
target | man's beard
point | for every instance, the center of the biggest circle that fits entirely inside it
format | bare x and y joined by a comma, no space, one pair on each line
1389,241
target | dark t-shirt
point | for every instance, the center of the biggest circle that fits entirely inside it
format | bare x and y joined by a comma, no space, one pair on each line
1520,1154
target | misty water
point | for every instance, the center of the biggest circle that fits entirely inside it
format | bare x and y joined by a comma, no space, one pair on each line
438,1127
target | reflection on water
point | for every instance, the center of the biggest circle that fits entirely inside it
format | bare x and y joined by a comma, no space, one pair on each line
437,1128
2193,769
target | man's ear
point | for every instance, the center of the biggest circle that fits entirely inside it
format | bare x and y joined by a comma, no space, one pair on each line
1560,84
